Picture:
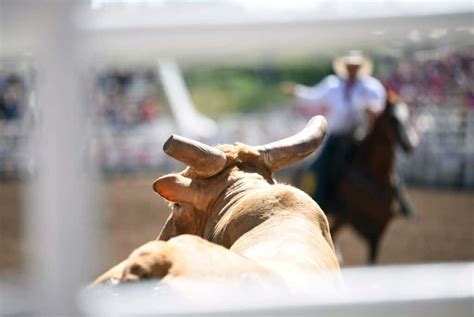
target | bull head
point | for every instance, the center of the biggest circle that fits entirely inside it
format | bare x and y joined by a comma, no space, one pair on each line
201,189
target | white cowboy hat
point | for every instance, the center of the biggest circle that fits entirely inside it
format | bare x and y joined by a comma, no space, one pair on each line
353,58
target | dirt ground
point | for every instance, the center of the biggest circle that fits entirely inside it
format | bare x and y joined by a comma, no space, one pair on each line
134,215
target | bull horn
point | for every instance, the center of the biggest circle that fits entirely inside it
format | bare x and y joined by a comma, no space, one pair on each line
204,159
282,153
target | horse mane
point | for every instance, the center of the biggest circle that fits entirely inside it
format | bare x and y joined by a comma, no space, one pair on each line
374,155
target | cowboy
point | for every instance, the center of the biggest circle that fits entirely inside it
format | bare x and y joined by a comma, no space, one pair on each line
350,99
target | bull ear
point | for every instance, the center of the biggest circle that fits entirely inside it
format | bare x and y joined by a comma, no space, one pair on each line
175,188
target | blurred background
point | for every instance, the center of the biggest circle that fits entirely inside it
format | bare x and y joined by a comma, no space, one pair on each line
90,90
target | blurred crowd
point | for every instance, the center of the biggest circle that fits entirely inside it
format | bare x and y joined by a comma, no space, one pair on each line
441,77
13,106
127,98
12,96
135,119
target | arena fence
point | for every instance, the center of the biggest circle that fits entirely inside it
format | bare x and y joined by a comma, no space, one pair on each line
61,221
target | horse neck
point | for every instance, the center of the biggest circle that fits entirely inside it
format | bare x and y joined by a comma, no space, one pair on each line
376,155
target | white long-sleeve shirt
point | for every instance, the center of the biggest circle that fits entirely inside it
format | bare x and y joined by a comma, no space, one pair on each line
344,114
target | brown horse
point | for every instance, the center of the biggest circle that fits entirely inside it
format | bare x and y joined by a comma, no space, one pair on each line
366,192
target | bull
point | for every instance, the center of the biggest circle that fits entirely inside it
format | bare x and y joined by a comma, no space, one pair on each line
231,219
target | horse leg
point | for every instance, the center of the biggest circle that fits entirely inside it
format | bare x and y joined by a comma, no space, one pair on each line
335,226
373,249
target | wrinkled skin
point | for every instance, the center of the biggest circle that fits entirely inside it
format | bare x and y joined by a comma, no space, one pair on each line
235,224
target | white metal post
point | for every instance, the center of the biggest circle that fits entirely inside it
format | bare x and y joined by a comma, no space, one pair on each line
60,221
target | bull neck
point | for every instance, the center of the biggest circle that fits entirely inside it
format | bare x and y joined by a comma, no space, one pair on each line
233,194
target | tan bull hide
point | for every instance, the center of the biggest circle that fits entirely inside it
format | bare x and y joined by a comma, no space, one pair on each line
231,219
